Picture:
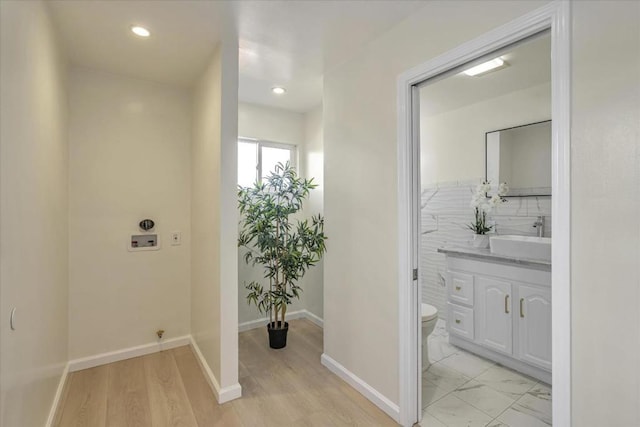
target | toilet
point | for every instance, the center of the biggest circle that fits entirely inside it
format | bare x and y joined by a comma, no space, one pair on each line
429,320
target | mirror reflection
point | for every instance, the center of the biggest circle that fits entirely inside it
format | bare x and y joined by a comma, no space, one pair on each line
521,156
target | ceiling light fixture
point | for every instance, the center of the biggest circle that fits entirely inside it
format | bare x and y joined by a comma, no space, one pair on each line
140,31
278,90
485,67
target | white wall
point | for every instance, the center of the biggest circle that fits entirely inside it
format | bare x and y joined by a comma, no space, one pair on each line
312,163
129,143
605,212
214,289
305,132
361,291
270,124
275,125
452,143
33,213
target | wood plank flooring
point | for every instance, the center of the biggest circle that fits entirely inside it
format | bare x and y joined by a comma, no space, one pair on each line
287,387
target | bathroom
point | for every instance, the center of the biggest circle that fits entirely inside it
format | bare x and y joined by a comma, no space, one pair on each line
485,248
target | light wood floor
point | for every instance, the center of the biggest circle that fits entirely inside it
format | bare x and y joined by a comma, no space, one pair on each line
286,387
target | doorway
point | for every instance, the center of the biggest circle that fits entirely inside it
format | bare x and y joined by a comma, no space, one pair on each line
554,18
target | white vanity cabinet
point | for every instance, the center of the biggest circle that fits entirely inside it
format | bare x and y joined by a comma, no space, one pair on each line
501,311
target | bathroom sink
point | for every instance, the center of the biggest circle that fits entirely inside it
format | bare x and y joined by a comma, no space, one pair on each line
529,247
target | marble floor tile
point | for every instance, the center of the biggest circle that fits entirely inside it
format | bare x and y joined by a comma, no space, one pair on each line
537,403
445,378
514,417
454,412
497,423
431,393
467,363
440,329
429,420
439,348
484,398
506,381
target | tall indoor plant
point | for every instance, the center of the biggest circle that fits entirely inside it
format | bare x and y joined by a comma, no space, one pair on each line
284,246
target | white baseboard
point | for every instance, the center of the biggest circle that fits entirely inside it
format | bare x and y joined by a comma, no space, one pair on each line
127,353
313,318
362,387
223,395
298,314
56,399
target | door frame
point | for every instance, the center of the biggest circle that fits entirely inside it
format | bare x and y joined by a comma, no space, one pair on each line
556,17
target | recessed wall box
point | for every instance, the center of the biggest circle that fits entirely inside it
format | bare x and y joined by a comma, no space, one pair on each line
144,242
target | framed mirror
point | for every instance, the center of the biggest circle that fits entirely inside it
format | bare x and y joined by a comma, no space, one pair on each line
521,157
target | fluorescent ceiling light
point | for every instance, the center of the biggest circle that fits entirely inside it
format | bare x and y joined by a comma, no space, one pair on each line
140,31
485,67
278,90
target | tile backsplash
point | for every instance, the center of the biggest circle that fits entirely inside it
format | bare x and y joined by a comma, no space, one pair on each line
445,213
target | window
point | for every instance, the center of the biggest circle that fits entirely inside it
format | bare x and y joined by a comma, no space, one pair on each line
257,159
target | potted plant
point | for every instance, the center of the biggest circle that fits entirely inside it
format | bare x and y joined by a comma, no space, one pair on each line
482,205
283,245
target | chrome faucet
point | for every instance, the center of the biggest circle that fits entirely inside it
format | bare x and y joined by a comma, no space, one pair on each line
539,224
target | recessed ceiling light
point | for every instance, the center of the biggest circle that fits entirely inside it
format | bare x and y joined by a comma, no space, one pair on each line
140,31
485,67
278,90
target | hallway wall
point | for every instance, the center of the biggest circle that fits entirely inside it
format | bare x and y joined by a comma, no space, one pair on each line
214,218
129,145
312,160
605,207
33,213
360,140
304,130
360,123
275,125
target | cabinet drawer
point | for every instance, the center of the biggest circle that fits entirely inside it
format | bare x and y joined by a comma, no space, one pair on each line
460,288
460,321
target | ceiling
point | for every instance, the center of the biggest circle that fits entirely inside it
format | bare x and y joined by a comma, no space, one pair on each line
529,65
282,43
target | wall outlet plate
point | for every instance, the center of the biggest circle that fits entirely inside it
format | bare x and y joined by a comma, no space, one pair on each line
176,238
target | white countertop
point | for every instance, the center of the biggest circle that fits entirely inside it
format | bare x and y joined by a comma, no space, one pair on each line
485,254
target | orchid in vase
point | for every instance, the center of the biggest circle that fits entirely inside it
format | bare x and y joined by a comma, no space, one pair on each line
482,205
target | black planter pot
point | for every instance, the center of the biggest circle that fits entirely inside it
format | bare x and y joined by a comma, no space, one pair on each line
277,336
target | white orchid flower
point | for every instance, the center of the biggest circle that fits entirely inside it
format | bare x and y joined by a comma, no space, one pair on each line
503,189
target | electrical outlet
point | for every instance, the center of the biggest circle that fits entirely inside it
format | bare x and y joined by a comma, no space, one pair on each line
176,238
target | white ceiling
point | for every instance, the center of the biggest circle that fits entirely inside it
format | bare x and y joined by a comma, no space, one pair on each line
529,65
286,43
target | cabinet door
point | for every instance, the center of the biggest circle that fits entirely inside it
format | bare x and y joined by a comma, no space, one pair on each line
495,329
534,325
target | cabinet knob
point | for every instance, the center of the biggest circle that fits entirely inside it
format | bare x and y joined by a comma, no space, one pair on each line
458,288
458,321
506,303
521,312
